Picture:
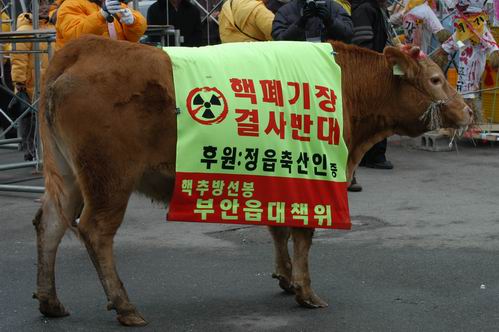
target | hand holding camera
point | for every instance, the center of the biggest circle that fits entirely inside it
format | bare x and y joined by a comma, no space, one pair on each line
308,12
110,8
315,8
113,6
127,17
323,13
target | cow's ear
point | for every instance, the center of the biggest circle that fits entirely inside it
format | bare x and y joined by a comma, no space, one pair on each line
402,62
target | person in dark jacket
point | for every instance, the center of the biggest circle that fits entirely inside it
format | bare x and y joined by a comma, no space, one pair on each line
312,20
183,15
371,31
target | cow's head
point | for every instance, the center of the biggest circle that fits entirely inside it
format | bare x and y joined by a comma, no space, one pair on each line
428,100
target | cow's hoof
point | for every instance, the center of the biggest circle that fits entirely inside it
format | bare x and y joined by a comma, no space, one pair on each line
132,319
52,308
311,301
284,283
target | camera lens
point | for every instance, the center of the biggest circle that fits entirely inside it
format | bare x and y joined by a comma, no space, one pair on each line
310,4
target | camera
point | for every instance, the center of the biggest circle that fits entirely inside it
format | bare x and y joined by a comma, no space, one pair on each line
313,4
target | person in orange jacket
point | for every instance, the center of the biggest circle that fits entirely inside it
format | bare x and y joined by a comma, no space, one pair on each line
80,17
23,63
23,75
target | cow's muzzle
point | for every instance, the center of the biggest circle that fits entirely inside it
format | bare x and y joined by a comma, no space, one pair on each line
468,116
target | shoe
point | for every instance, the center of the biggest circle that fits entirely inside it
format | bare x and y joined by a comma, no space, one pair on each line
354,186
380,165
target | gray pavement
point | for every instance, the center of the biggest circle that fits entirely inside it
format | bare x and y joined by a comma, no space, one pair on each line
422,256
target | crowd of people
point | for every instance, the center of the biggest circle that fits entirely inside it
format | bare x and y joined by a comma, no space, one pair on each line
366,23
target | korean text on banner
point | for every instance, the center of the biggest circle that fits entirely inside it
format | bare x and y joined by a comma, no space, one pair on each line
260,135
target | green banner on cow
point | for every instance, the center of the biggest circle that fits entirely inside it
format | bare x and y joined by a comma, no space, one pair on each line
260,135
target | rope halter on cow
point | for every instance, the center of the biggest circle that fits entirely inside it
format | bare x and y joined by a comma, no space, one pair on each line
433,114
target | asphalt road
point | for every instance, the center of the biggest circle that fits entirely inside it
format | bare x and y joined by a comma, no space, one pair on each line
422,256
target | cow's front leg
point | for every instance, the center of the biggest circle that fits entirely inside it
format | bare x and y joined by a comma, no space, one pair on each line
305,295
283,266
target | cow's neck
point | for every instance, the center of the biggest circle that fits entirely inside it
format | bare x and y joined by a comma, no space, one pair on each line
369,98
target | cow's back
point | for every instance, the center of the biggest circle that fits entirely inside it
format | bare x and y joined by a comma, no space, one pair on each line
109,105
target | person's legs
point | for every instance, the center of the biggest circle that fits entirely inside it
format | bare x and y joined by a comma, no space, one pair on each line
375,157
5,99
28,128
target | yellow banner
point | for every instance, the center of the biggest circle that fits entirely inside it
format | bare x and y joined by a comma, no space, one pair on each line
471,27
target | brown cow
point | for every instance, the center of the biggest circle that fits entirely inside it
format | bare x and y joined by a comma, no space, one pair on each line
108,127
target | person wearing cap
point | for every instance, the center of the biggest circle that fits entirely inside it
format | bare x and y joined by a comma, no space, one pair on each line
108,18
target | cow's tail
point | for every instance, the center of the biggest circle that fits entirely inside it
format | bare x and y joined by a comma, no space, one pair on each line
57,167
50,102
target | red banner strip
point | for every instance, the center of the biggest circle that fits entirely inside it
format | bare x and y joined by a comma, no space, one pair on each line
259,200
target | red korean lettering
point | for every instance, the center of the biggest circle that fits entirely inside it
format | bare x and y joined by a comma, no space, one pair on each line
300,127
247,122
272,92
328,129
327,97
273,126
305,88
243,88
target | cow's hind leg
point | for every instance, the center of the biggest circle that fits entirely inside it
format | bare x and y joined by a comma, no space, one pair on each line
305,295
283,266
50,228
101,217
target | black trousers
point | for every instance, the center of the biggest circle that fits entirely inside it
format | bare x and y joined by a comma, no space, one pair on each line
5,99
376,154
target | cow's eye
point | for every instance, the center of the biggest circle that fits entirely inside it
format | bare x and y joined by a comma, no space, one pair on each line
436,80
